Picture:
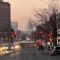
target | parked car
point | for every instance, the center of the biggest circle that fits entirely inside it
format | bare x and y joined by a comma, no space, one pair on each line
55,50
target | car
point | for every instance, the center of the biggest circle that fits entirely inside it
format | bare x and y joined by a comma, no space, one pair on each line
31,45
3,49
55,50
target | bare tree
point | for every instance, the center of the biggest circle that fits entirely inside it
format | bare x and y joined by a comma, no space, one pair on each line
44,14
49,14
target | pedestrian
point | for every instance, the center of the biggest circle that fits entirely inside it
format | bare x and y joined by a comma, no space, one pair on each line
42,48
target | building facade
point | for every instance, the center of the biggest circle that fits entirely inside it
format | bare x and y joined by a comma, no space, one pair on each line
4,16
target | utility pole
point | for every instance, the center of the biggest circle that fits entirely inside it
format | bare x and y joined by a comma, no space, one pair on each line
54,28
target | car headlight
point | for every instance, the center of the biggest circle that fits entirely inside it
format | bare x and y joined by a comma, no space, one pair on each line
16,47
1,49
12,47
7,48
4,48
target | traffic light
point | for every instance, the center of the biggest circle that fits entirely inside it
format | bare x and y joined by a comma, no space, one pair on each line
50,35
13,34
40,33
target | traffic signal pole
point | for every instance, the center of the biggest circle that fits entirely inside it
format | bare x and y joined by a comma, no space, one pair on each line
54,29
54,25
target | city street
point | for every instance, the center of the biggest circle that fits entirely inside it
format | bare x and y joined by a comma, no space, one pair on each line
29,53
28,25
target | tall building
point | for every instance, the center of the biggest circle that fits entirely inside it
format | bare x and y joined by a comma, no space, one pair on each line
4,16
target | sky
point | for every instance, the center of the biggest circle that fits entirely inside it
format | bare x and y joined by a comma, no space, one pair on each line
22,10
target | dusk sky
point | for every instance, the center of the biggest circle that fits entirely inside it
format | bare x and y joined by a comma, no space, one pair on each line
21,10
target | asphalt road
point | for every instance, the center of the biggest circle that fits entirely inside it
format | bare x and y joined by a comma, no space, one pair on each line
30,54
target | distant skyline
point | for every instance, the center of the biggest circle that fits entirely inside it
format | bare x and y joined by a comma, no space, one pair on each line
21,10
